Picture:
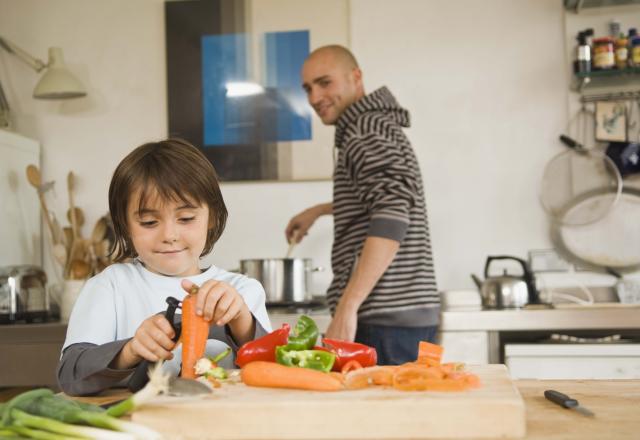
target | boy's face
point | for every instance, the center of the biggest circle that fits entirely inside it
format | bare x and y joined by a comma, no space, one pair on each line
168,236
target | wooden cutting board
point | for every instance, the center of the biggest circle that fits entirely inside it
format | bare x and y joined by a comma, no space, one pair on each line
236,411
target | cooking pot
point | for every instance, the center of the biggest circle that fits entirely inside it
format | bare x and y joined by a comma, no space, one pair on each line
285,280
23,294
508,291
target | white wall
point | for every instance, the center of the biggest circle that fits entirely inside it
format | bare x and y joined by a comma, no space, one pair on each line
486,83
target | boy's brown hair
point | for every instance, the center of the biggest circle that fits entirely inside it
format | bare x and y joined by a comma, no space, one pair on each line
174,170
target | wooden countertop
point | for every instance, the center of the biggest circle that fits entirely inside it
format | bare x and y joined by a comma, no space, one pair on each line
615,403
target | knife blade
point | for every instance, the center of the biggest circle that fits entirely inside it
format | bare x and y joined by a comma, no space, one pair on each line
567,402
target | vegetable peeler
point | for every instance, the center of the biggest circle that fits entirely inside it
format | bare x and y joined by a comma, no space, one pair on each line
140,377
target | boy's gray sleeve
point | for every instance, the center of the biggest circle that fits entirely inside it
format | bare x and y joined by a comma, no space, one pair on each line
84,368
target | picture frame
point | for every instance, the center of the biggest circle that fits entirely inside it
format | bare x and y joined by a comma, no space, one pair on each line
234,87
611,121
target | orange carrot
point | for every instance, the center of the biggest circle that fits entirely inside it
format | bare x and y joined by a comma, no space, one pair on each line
195,332
429,353
272,375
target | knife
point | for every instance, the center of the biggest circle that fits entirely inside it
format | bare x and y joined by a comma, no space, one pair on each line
567,402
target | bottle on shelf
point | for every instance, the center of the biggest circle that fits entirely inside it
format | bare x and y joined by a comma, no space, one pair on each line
634,48
603,55
622,52
582,63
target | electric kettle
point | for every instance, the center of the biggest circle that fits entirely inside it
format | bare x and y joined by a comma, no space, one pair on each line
508,291
23,294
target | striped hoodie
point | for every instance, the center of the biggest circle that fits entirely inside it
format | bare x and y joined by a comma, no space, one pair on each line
377,191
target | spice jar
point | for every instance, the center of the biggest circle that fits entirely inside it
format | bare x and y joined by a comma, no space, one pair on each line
622,52
635,51
603,57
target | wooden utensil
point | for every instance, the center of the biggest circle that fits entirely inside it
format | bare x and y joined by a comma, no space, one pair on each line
79,269
79,218
35,179
292,244
99,230
72,211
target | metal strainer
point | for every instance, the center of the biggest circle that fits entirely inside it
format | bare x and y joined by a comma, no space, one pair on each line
570,181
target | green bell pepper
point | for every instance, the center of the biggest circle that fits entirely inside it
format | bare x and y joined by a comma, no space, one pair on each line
305,334
313,359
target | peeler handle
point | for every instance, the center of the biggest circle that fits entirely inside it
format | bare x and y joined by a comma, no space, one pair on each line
140,377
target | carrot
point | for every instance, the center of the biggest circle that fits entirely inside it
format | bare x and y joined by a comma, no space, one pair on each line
195,332
429,353
272,375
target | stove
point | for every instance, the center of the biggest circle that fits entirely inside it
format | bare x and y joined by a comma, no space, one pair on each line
317,304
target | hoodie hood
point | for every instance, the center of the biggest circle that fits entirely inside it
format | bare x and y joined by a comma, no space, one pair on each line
379,101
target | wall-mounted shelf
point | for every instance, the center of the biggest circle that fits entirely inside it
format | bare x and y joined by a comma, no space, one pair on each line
598,79
577,5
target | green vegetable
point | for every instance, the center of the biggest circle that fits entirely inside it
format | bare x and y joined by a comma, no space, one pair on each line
220,356
43,410
313,359
23,419
158,383
22,432
305,334
217,372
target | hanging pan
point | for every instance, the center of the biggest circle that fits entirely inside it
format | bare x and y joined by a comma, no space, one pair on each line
613,242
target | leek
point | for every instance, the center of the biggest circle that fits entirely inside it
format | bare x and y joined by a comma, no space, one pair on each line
23,419
158,384
48,407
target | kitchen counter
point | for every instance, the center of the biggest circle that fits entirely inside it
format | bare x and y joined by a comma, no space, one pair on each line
599,316
615,404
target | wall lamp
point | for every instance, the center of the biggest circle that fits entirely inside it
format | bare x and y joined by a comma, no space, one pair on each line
56,82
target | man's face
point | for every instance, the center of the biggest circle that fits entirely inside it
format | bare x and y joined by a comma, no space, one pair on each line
330,86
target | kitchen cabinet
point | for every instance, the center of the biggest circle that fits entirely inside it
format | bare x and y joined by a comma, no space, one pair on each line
20,233
573,361
578,5
30,354
481,336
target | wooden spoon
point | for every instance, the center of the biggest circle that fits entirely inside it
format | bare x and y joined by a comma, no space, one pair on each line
80,269
99,231
35,179
73,219
79,219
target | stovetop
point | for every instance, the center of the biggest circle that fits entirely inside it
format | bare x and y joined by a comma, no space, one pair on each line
316,305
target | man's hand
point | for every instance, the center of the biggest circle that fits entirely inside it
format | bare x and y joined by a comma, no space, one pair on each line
343,326
299,225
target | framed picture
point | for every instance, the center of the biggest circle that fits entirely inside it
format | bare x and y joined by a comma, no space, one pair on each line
611,121
234,88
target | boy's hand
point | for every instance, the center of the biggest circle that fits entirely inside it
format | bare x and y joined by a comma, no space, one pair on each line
218,302
153,340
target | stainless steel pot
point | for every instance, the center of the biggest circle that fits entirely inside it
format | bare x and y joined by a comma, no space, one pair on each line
23,294
285,280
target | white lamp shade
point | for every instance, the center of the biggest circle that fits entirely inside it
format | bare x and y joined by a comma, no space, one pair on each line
57,82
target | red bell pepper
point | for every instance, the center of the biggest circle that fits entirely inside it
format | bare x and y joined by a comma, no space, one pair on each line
350,351
264,348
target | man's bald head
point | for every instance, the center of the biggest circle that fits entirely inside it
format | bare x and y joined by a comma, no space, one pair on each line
332,80
340,54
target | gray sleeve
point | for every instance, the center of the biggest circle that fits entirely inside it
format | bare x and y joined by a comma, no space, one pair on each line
84,368
259,332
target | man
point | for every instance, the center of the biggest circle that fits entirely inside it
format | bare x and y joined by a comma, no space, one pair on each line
383,293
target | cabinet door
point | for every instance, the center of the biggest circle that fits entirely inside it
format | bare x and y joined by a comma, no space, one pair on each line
467,347
20,233
573,361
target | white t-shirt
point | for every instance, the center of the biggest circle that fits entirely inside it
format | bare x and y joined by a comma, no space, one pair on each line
113,304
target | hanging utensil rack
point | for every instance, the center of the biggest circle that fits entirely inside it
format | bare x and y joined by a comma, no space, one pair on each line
620,96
